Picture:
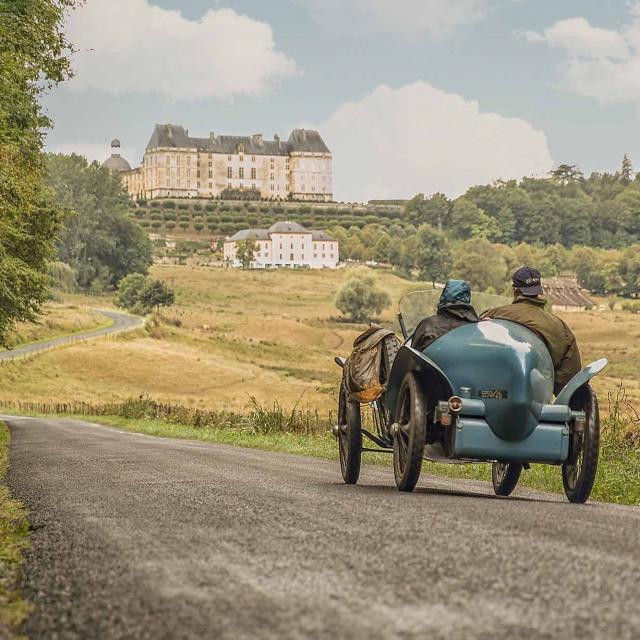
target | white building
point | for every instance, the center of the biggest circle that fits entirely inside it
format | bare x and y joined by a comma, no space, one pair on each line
177,165
285,244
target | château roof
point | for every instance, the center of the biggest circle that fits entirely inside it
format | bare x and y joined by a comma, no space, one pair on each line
116,163
287,227
253,234
307,140
279,227
176,136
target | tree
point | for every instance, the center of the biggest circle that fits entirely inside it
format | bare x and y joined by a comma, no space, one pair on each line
433,210
245,252
33,58
433,254
566,174
480,265
465,215
626,172
360,297
156,294
99,240
140,294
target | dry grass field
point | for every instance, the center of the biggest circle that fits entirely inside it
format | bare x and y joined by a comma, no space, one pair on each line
59,319
271,335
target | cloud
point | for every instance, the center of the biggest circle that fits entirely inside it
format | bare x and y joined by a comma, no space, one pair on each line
394,143
603,64
134,46
434,18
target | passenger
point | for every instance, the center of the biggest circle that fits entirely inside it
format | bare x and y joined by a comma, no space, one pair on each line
528,309
454,310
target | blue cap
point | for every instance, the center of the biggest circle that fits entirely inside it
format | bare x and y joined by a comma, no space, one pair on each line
455,291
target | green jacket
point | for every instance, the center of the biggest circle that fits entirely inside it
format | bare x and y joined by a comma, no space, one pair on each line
558,337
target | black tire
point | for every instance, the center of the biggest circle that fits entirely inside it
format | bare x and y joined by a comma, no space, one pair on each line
578,477
349,437
505,476
390,348
410,434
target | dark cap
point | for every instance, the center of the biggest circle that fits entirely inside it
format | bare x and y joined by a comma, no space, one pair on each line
527,280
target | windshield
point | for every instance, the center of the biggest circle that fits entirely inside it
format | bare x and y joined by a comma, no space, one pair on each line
417,305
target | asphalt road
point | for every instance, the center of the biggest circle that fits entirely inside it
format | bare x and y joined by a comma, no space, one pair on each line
141,537
121,322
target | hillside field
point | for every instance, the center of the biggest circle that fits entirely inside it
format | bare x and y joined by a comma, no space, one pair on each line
272,335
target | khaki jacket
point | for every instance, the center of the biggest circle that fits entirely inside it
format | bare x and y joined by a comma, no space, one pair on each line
558,337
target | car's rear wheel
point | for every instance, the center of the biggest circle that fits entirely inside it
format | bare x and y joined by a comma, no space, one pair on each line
349,436
409,434
505,476
579,474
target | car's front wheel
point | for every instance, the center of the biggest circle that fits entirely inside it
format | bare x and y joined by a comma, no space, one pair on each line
579,474
409,433
505,476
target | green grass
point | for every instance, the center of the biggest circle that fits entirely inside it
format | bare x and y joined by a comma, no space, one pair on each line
618,477
14,539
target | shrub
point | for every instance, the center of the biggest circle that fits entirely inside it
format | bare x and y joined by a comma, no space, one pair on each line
142,202
169,215
141,294
156,224
197,207
184,225
156,216
183,207
169,204
170,225
210,207
145,223
360,297
212,226
185,218
139,213
156,205
198,226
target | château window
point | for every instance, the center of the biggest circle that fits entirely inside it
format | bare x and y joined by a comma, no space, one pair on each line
241,173
273,177
253,173
210,173
229,158
229,172
253,158
211,185
291,257
241,158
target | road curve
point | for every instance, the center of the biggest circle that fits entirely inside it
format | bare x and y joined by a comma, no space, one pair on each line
141,537
121,322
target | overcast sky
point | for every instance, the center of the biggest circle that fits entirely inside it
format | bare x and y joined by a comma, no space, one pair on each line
410,95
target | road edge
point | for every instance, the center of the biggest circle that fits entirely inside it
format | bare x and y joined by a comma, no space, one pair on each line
111,330
14,541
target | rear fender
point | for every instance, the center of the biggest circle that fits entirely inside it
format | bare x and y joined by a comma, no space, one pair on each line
432,379
580,379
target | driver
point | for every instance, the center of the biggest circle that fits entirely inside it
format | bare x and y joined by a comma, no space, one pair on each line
454,310
528,309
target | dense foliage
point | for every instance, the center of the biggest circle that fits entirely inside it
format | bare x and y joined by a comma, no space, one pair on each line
602,210
99,241
33,58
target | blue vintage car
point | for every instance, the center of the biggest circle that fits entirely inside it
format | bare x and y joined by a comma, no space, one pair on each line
481,393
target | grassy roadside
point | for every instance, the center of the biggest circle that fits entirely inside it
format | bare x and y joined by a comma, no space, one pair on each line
14,539
618,478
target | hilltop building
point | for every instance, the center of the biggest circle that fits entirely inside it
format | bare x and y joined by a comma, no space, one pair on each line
565,294
285,244
176,165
